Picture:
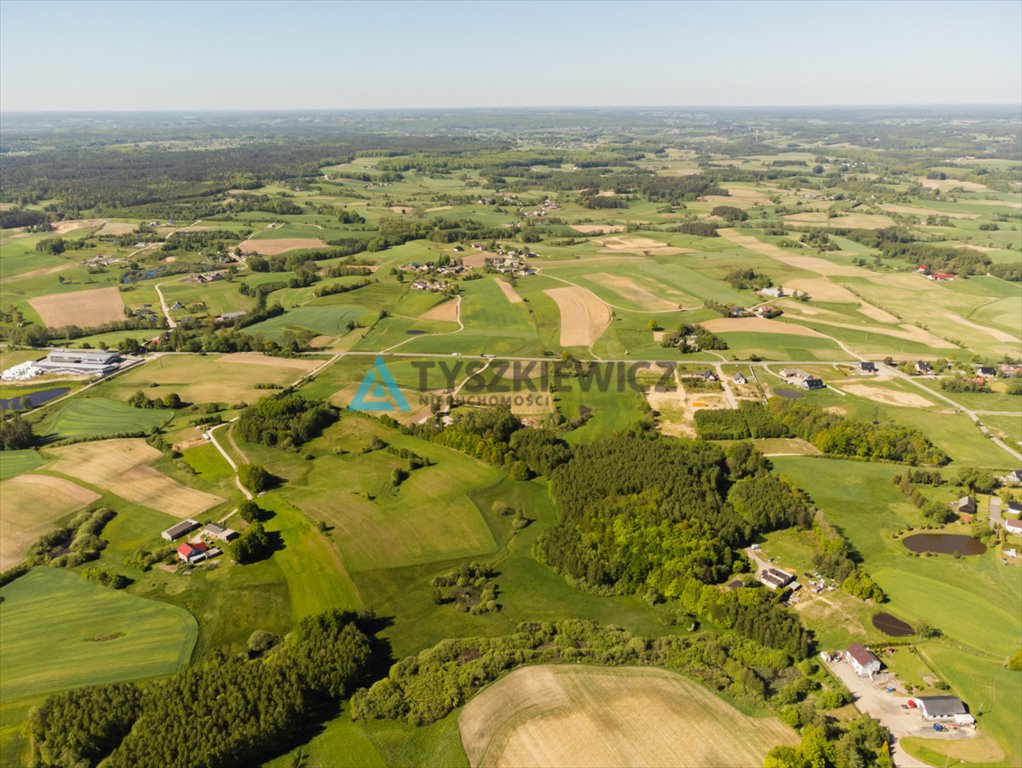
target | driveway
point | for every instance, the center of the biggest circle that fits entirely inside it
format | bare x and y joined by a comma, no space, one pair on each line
870,697
995,520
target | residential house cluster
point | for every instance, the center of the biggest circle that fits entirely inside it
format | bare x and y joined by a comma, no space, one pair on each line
433,286
431,268
798,377
208,277
204,545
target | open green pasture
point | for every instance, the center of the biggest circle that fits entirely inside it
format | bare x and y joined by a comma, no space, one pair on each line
91,417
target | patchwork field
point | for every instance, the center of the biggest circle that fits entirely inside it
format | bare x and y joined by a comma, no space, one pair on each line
32,504
85,309
591,716
584,317
122,467
62,632
274,246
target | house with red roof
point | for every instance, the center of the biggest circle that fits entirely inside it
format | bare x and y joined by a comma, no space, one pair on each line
862,660
192,553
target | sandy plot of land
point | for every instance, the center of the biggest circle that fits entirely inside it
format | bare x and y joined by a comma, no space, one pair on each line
756,325
590,716
588,229
31,506
280,245
82,308
810,263
640,245
927,212
477,258
584,317
447,312
402,209
992,332
509,292
70,225
254,358
438,208
889,396
117,228
854,220
946,184
740,197
633,292
122,467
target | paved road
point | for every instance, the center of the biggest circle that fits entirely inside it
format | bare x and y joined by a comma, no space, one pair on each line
996,520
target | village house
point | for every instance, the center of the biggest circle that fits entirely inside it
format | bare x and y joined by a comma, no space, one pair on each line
180,529
219,532
811,382
192,552
942,708
966,505
1013,526
775,578
867,367
228,317
776,293
923,368
1015,507
986,370
862,660
738,378
1012,478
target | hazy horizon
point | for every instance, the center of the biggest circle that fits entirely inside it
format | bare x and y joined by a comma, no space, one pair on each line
329,56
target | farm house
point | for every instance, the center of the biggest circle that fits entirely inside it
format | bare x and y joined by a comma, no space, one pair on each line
862,660
180,529
192,553
946,708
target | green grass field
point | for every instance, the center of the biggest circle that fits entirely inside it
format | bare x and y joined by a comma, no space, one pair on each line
61,632
16,462
96,417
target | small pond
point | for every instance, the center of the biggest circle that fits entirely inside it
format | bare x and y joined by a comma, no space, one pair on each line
892,626
944,544
415,333
33,400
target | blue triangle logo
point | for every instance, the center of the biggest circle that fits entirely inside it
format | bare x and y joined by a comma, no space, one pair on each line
379,391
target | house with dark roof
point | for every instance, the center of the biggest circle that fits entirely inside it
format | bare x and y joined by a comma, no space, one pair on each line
775,578
219,532
942,708
179,529
966,505
862,660
923,368
867,367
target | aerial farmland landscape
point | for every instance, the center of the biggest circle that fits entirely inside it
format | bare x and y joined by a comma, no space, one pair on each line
381,410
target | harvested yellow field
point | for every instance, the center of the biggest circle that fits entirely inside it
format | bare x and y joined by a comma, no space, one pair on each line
633,292
70,225
448,312
32,504
740,197
912,211
903,331
569,715
402,209
122,467
254,358
509,292
39,272
945,184
117,228
822,289
584,317
853,220
589,229
756,325
888,396
992,332
640,245
875,313
279,245
85,309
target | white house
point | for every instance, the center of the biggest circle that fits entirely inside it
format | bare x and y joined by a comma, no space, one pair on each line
942,708
1013,526
862,660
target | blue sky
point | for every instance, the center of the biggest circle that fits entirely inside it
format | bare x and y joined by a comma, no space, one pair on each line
325,55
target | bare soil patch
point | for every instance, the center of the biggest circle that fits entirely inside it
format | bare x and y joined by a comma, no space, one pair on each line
70,225
446,312
640,245
756,325
82,308
117,228
633,292
589,229
280,245
590,716
888,396
32,504
584,317
509,292
122,467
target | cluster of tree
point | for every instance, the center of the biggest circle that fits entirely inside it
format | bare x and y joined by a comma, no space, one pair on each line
750,420
896,243
692,338
699,228
1010,270
144,558
819,240
597,202
16,217
252,706
199,239
837,435
747,279
962,384
286,420
15,433
51,245
470,586
484,433
331,290
72,544
280,206
251,512
729,213
254,543
829,743
255,478
106,577
934,511
138,399
542,450
423,689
